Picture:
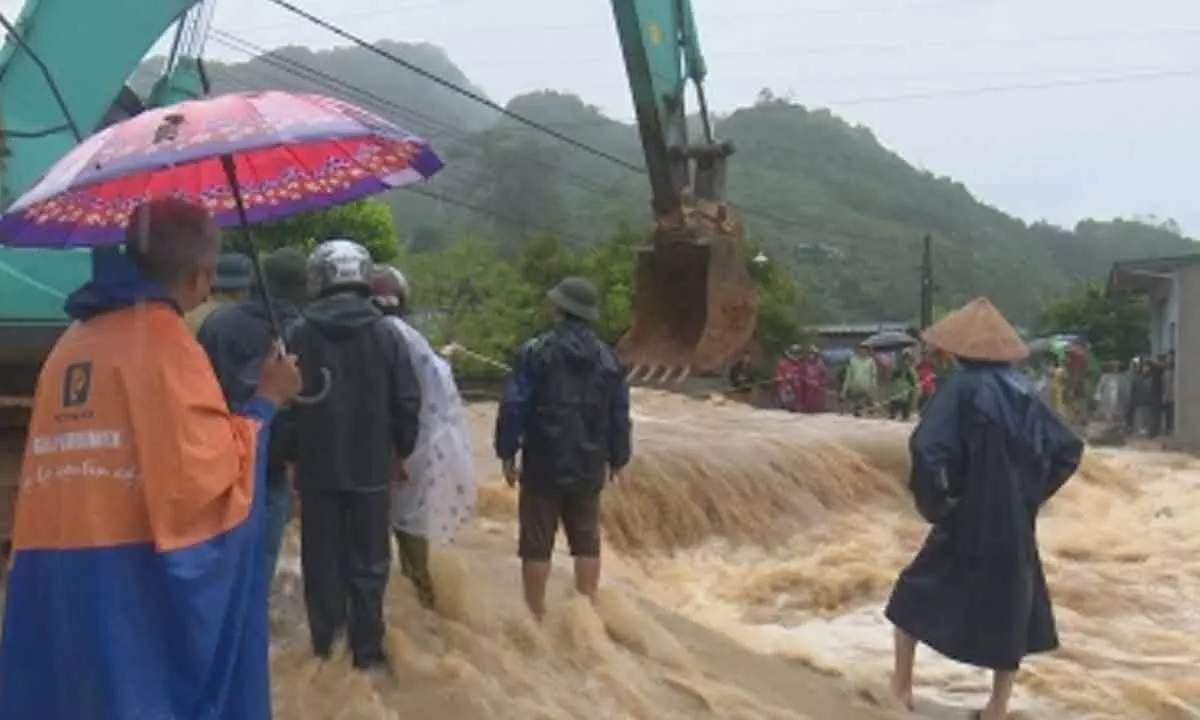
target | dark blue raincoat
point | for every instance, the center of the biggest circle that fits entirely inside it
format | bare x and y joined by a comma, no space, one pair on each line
985,458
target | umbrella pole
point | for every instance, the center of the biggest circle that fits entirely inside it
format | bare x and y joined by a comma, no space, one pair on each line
231,175
249,249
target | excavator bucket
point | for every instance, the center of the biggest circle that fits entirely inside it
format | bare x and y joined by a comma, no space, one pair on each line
695,304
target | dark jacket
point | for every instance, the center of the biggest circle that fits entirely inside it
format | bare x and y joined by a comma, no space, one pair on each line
347,441
237,337
566,409
987,455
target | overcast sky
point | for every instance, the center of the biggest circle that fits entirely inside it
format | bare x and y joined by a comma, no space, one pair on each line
1055,109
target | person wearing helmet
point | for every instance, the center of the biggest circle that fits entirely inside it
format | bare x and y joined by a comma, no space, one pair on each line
435,488
344,446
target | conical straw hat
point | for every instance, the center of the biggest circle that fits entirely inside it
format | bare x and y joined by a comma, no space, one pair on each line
977,331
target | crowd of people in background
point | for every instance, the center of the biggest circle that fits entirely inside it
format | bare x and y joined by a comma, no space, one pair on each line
893,383
1146,395
1136,397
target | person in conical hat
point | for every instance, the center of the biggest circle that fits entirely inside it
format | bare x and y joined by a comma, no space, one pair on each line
987,454
977,331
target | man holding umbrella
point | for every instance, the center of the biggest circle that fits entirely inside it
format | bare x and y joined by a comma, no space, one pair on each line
137,587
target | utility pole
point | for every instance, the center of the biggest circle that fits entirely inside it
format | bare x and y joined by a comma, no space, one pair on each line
927,283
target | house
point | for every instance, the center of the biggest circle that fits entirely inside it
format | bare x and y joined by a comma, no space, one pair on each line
1171,285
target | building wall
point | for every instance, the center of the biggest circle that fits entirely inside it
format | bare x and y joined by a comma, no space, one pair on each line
1187,360
1164,316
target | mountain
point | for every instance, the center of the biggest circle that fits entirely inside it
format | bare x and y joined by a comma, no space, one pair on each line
823,196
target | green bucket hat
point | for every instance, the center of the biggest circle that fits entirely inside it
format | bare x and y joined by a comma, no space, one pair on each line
577,297
235,271
286,274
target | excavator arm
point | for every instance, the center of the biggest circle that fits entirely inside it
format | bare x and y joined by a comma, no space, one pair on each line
63,69
694,301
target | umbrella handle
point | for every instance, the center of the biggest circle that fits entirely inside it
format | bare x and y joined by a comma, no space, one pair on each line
326,385
231,175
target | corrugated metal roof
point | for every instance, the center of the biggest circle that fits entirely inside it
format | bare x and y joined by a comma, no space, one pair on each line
1143,275
861,328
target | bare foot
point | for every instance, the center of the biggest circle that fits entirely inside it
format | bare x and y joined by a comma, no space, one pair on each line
903,693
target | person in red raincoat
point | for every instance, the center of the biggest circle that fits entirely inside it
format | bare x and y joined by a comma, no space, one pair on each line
814,378
789,380
926,379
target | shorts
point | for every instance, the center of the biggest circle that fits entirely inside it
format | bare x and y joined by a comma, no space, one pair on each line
539,513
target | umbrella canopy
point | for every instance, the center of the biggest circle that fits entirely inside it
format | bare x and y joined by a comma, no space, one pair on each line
1056,345
890,340
290,152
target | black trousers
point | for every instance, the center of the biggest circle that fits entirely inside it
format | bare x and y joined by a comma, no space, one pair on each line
1156,419
345,550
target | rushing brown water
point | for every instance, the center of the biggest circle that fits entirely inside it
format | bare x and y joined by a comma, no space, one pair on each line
744,530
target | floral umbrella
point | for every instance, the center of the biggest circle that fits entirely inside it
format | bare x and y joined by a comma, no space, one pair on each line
247,157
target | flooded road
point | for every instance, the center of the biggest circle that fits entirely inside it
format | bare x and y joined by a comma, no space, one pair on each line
743,530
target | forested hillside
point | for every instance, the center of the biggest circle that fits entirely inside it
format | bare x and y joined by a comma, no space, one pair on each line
843,214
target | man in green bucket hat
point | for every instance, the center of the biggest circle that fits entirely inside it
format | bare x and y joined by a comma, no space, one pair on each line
576,298
566,411
236,336
235,276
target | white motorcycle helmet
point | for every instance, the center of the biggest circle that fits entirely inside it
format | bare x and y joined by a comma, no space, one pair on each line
339,265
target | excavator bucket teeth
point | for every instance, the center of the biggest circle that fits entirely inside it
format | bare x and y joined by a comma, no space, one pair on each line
694,306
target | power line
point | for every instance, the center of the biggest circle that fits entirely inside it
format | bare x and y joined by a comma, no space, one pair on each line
306,72
1016,87
318,77
471,207
394,10
465,92
746,211
299,71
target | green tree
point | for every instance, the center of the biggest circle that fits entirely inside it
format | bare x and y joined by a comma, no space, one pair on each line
1117,326
780,302
367,222
478,297
490,303
517,182
611,265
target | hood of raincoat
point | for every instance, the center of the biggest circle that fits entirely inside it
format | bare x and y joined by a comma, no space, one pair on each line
341,315
116,283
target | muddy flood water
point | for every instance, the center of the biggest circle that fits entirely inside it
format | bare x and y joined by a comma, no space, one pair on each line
748,561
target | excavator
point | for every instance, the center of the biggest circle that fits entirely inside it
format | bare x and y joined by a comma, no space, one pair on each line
63,72
62,78
695,304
